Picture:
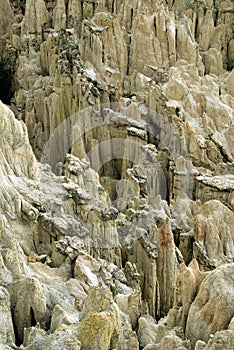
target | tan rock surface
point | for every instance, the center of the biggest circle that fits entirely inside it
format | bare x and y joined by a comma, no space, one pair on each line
65,339
188,283
16,151
221,340
7,335
131,103
213,228
212,308
6,17
28,304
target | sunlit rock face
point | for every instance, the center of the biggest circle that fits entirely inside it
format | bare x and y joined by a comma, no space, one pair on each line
116,175
208,299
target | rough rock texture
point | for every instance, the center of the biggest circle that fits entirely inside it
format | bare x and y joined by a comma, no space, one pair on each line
15,148
221,340
32,311
212,305
219,187
116,174
61,339
6,17
7,331
188,283
213,231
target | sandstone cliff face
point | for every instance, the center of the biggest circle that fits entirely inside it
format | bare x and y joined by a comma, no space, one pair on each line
116,175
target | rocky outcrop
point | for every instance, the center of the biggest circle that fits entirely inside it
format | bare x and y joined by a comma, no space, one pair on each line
219,187
26,314
116,69
7,331
213,231
6,17
222,339
66,340
15,147
211,310
188,283
116,174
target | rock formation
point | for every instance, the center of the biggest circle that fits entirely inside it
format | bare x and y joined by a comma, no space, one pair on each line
116,174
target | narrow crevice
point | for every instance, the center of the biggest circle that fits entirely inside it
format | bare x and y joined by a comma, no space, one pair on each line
196,33
224,155
17,340
82,9
131,21
93,7
176,38
103,53
6,83
155,26
66,12
129,53
216,15
33,321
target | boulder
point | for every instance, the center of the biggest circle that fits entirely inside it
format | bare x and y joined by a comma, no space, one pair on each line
212,309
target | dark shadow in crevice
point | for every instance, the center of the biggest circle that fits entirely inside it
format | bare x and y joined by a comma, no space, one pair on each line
33,321
6,91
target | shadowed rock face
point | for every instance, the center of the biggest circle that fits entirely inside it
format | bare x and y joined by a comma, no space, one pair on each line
116,175
6,17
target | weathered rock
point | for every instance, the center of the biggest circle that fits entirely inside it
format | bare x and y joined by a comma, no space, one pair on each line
5,347
147,330
230,79
200,345
28,304
187,286
218,187
133,102
221,340
79,290
212,309
130,304
169,342
167,266
87,269
7,335
100,320
32,334
67,339
213,231
16,152
96,329
36,16
61,318
6,17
